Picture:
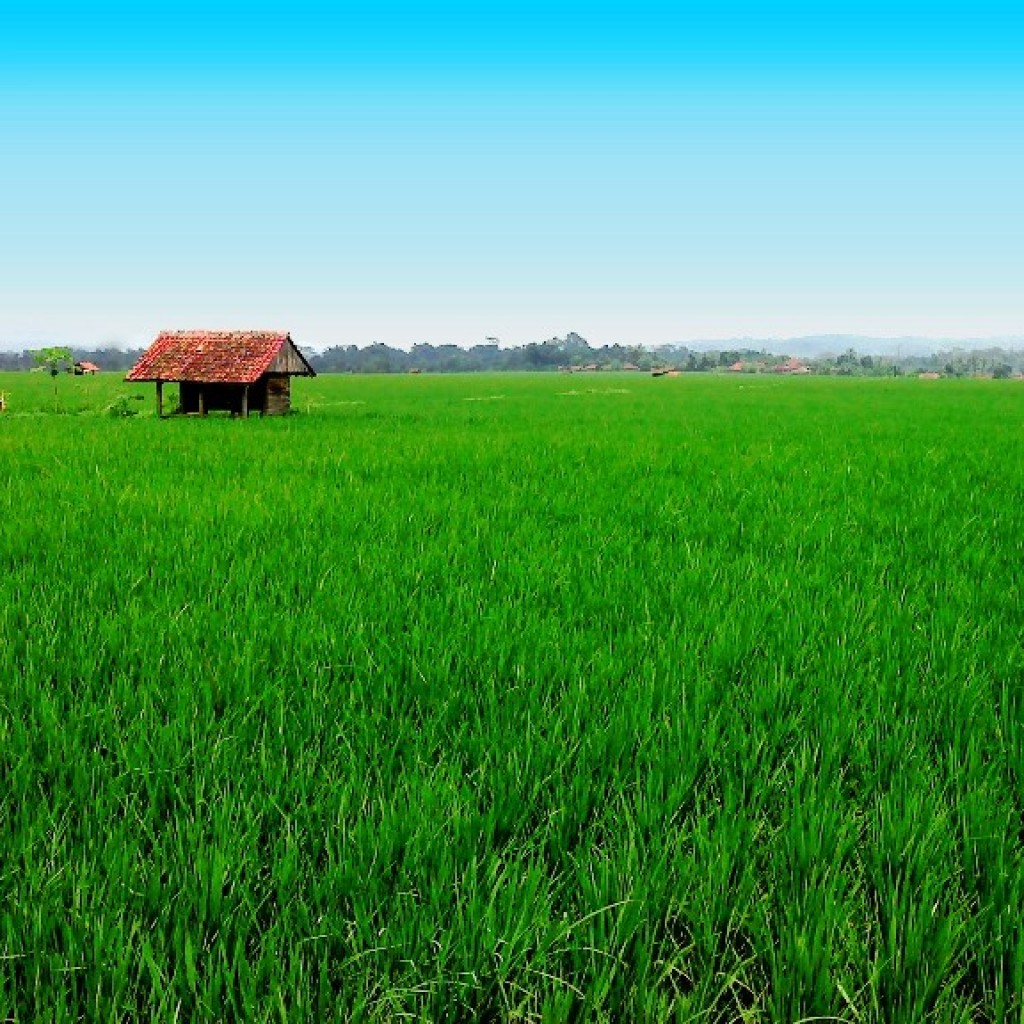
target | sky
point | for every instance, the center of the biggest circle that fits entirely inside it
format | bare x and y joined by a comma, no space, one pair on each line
445,172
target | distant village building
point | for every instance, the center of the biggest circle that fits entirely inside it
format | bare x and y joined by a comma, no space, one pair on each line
86,368
928,375
736,367
234,371
791,365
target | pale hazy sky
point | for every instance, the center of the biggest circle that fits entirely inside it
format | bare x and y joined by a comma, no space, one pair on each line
402,172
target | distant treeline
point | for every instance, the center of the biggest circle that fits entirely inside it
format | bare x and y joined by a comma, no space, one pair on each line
554,354
104,358
574,353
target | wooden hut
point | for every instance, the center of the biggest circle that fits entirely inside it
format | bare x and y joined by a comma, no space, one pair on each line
236,371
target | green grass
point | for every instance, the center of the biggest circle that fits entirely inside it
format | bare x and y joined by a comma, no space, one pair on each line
533,698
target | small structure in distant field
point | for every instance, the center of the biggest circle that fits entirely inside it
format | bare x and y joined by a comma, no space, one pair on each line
791,366
234,371
86,368
929,375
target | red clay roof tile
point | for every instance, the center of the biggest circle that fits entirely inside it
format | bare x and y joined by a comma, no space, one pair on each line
209,357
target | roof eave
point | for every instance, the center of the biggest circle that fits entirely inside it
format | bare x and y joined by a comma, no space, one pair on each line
186,380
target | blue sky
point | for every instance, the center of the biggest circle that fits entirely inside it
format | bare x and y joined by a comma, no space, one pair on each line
442,172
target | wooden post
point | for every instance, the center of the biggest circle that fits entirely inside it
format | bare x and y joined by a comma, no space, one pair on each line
245,401
202,403
159,399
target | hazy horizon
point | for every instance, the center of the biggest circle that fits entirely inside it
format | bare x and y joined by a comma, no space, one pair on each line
404,174
805,346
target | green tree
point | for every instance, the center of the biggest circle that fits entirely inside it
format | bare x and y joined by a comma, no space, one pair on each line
55,360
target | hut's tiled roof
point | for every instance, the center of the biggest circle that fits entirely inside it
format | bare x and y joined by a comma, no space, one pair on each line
209,357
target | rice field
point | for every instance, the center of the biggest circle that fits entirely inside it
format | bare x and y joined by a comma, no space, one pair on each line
514,698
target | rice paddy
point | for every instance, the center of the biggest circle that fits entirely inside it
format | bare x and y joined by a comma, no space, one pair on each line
510,698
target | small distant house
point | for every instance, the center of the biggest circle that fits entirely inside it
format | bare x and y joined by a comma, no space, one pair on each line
791,365
736,367
235,371
85,367
928,375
